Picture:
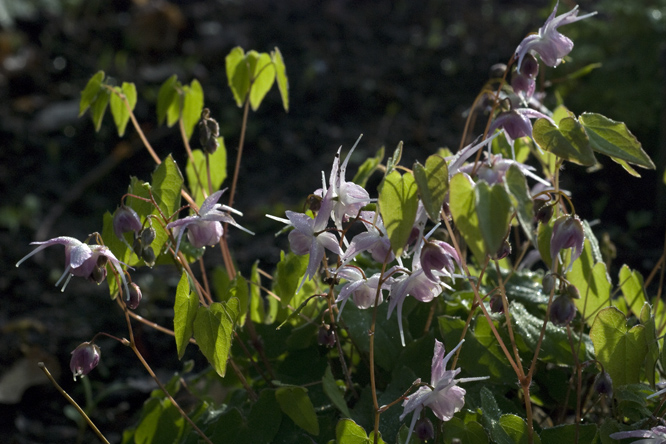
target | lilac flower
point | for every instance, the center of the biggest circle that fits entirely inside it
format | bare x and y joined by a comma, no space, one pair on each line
83,260
310,235
125,220
516,123
567,233
363,290
375,240
85,357
442,396
656,435
206,227
348,197
493,171
549,43
438,256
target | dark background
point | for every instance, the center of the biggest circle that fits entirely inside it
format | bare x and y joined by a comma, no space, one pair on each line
392,70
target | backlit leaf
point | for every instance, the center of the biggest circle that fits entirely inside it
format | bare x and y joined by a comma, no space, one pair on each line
568,141
462,203
119,111
281,76
89,93
192,106
98,107
166,96
213,331
433,183
197,175
295,403
516,185
494,210
398,203
368,167
631,284
592,282
238,75
185,309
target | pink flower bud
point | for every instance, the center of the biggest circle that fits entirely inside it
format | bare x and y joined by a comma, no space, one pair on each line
438,256
125,220
85,357
530,66
567,233
562,311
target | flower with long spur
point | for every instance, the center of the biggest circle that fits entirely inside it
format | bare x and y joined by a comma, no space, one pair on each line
310,236
363,290
205,228
375,240
656,435
549,43
83,260
348,198
567,233
442,396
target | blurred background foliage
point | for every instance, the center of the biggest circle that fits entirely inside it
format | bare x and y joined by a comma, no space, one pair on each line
392,70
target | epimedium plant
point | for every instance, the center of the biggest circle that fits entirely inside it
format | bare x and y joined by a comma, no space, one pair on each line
440,266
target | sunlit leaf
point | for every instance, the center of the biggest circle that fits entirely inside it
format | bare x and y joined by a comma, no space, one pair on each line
516,186
213,331
433,183
631,284
162,423
398,202
368,167
494,210
89,93
592,282
290,271
621,350
185,310
462,203
295,403
98,107
238,76
197,175
192,106
166,97
281,76
471,432
121,114
568,141
516,428
614,139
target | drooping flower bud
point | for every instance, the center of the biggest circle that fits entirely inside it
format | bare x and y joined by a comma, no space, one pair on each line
504,250
125,220
137,246
134,296
572,291
424,429
148,236
326,336
603,384
530,66
548,283
85,357
543,210
567,233
496,304
438,256
209,131
148,256
562,311
523,85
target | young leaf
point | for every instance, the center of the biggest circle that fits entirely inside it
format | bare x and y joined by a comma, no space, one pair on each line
192,106
621,350
614,139
98,107
398,203
90,92
213,331
281,76
433,183
119,111
463,209
290,271
348,432
368,167
516,428
652,355
238,75
592,282
568,142
218,171
516,185
185,309
493,209
166,97
263,77
491,418
631,284
296,404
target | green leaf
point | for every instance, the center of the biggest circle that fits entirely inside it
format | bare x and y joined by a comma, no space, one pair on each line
335,392
398,202
592,282
494,210
289,272
544,234
281,76
565,433
167,97
295,403
192,106
185,310
470,433
621,350
368,167
213,330
98,107
240,291
614,139
119,111
433,184
515,184
218,171
263,77
491,418
162,423
260,427
238,75
631,284
462,203
348,432
632,402
516,428
257,309
90,92
652,355
568,141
